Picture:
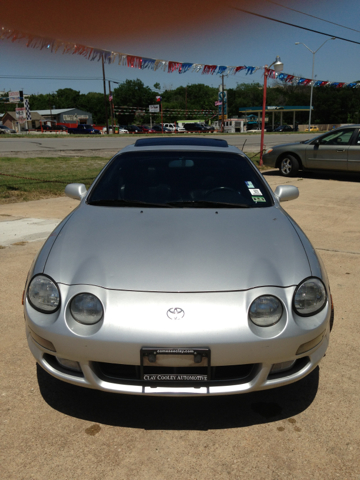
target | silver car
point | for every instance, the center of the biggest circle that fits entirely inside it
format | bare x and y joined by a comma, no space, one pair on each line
178,274
335,150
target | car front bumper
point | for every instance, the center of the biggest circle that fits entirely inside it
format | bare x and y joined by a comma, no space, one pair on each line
269,159
108,354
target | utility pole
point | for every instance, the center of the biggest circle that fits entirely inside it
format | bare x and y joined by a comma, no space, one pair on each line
222,103
105,99
111,108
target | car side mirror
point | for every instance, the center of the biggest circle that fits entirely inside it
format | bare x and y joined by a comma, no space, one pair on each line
77,191
316,142
284,193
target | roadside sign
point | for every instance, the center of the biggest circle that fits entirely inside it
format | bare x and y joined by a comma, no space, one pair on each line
15,97
225,117
222,97
154,108
20,114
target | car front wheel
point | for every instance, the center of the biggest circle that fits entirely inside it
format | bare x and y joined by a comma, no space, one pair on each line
289,166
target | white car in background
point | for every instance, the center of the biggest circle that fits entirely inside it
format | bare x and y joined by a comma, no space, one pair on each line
174,128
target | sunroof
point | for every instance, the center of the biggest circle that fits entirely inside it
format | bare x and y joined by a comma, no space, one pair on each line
181,141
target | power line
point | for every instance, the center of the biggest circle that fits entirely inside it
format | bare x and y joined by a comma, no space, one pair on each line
47,77
313,16
296,26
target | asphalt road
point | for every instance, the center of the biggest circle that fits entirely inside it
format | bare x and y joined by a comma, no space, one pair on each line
308,430
106,146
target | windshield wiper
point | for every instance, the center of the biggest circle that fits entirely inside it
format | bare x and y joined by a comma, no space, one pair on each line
128,203
207,203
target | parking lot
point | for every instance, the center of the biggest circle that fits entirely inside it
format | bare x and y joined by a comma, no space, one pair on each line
52,430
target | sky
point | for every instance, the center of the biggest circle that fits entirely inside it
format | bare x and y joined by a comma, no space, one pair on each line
194,31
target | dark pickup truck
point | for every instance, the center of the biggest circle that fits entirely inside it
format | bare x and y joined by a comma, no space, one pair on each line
84,129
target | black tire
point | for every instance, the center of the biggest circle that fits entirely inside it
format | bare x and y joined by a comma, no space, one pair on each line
289,166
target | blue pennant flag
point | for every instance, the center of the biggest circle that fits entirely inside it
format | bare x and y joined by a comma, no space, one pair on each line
185,67
148,63
221,70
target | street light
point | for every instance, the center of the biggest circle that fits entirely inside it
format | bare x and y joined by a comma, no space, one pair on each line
312,75
278,67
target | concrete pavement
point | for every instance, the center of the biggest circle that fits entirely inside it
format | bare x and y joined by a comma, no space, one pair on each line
72,145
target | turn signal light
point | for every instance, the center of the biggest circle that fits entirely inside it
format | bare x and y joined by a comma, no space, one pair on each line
305,347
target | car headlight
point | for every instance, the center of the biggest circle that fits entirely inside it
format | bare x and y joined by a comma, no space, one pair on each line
43,294
309,297
269,150
86,308
265,311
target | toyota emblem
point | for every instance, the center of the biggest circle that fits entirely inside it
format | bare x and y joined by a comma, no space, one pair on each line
175,313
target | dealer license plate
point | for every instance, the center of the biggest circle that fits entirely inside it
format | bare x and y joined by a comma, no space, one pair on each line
175,364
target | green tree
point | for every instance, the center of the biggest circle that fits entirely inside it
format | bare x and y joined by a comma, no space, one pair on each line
133,93
93,102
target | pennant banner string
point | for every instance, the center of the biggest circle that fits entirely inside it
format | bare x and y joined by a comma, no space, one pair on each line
133,61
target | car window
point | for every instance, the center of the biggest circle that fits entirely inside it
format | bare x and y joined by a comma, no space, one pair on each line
181,179
340,137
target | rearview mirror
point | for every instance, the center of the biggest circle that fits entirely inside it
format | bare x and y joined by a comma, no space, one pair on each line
77,191
284,193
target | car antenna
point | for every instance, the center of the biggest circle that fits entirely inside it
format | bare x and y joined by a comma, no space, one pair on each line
244,145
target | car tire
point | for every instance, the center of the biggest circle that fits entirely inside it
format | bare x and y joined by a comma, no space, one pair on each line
289,166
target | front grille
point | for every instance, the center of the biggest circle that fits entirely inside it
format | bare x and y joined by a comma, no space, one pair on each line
130,374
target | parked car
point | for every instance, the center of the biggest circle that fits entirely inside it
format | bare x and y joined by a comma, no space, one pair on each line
269,128
170,126
123,130
159,282
195,127
6,130
84,130
338,149
284,128
210,128
173,127
134,129
312,129
160,129
147,129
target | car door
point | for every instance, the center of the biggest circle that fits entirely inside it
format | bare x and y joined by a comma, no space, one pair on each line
354,154
330,151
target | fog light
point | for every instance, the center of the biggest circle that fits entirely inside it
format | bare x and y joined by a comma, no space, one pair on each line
42,341
282,367
305,347
69,364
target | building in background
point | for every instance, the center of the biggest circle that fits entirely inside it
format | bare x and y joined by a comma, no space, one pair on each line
66,116
9,120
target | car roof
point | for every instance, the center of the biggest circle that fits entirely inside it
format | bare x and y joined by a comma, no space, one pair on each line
182,144
198,142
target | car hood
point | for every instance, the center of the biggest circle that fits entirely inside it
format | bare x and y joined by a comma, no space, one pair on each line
178,250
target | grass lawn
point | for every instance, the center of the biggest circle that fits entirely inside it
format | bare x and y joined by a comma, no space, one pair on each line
49,176
46,177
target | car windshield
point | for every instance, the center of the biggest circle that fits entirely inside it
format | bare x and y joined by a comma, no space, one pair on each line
180,179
